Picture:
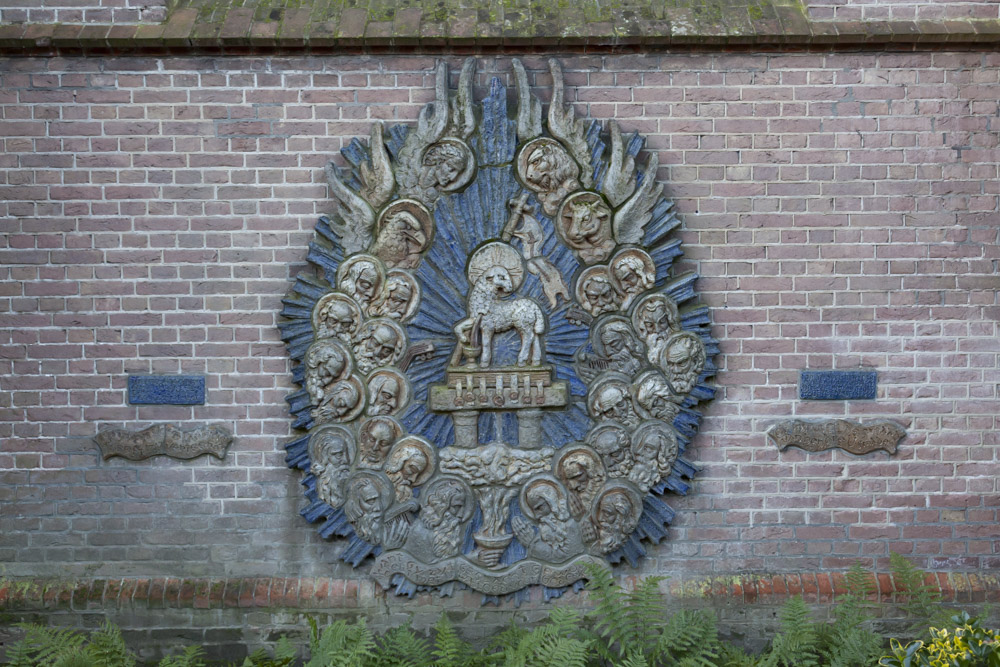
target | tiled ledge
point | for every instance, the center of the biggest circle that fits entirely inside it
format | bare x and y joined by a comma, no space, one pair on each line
326,593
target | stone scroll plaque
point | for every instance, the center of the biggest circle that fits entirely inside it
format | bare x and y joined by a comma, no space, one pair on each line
165,439
815,436
499,373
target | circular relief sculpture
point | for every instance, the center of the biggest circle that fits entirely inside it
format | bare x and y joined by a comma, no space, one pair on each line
499,371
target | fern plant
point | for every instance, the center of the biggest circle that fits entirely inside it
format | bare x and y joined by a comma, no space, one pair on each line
798,643
922,601
401,647
340,644
64,647
848,641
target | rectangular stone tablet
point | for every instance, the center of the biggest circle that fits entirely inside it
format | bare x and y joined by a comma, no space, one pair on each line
166,389
838,385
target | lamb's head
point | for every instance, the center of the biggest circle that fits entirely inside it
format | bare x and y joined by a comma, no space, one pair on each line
499,279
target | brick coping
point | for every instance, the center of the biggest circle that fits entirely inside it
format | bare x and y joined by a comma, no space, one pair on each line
238,33
316,593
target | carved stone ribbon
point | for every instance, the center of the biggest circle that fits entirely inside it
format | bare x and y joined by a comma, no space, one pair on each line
490,582
833,433
165,439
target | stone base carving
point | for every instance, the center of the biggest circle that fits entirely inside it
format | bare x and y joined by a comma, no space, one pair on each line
164,439
491,582
833,433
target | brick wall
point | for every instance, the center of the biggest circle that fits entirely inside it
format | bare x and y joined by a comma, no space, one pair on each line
83,11
905,10
841,208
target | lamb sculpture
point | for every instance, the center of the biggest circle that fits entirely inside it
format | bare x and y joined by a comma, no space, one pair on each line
498,273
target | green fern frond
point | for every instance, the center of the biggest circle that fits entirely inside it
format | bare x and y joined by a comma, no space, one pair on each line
43,646
401,647
923,601
108,649
191,656
797,644
688,639
450,650
76,658
633,660
342,644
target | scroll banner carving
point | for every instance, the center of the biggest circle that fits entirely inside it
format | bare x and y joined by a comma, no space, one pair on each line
499,372
165,439
837,433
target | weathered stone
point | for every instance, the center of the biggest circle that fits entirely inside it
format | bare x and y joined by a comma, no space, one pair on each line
165,439
837,433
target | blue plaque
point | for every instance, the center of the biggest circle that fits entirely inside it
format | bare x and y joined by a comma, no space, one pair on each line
838,385
166,389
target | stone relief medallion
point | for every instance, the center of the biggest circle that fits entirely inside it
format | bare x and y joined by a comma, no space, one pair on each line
403,231
584,224
499,370
448,165
336,315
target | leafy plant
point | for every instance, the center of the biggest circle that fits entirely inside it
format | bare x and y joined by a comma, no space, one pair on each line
968,645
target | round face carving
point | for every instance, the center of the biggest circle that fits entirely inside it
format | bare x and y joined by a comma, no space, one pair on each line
361,277
596,293
376,436
404,230
331,451
448,165
545,167
543,496
380,342
613,338
609,399
343,401
654,399
388,392
611,440
326,363
401,297
615,515
411,462
584,224
580,470
336,315
369,495
655,318
654,449
683,359
632,272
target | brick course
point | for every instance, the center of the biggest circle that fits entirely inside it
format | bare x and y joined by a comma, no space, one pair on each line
841,208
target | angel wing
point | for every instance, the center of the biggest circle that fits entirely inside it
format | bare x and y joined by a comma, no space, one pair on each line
463,120
378,177
631,219
529,109
431,124
567,128
619,181
354,217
